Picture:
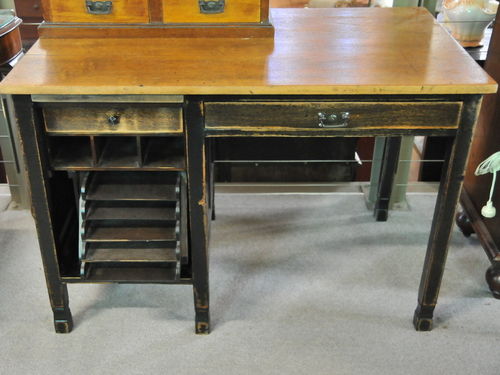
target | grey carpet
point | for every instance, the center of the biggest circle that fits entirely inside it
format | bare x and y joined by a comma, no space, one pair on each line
301,284
4,202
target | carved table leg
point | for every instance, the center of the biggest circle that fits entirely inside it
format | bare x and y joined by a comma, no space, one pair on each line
442,223
387,174
198,213
464,224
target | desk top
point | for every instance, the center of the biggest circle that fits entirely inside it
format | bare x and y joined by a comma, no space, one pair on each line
315,51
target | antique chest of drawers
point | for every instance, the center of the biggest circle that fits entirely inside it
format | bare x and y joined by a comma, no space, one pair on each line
156,17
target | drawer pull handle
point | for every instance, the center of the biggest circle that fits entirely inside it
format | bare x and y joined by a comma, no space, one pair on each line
211,6
99,7
114,120
333,120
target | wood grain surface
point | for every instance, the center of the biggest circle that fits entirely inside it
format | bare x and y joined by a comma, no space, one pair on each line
315,51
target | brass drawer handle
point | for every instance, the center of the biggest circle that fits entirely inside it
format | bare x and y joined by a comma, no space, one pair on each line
211,6
99,7
333,120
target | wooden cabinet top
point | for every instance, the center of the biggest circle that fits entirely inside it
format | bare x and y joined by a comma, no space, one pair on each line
315,51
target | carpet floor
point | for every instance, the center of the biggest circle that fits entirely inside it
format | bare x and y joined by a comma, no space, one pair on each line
300,284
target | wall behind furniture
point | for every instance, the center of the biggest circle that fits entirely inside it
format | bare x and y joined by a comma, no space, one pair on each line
7,4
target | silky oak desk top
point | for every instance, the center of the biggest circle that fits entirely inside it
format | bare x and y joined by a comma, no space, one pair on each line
360,51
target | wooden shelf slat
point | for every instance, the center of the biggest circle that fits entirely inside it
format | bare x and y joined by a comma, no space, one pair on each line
101,212
98,273
133,255
131,233
147,186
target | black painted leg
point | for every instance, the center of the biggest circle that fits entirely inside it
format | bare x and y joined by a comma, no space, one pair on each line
387,174
63,321
37,167
212,189
198,213
442,223
493,279
211,177
464,224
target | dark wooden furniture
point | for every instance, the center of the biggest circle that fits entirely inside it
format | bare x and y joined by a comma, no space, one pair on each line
10,37
10,52
30,11
476,188
87,121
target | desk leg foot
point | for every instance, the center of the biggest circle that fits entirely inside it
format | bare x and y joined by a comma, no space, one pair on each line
381,214
202,322
63,321
493,279
422,320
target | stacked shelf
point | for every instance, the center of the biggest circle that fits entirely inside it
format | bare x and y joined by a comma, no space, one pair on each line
116,152
133,226
118,184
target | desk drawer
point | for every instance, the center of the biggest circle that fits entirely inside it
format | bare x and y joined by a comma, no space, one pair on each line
193,11
93,11
113,119
329,116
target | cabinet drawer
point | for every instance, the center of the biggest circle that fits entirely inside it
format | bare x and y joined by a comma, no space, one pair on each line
329,116
28,8
230,11
113,11
74,119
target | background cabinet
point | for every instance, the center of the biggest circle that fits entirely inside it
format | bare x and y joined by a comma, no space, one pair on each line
475,193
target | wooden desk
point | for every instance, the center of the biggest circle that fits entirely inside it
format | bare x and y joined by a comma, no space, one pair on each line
388,72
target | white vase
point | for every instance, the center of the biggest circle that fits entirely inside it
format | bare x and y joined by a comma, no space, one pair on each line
467,19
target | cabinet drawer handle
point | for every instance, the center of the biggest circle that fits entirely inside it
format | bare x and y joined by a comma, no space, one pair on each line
333,120
99,7
211,6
